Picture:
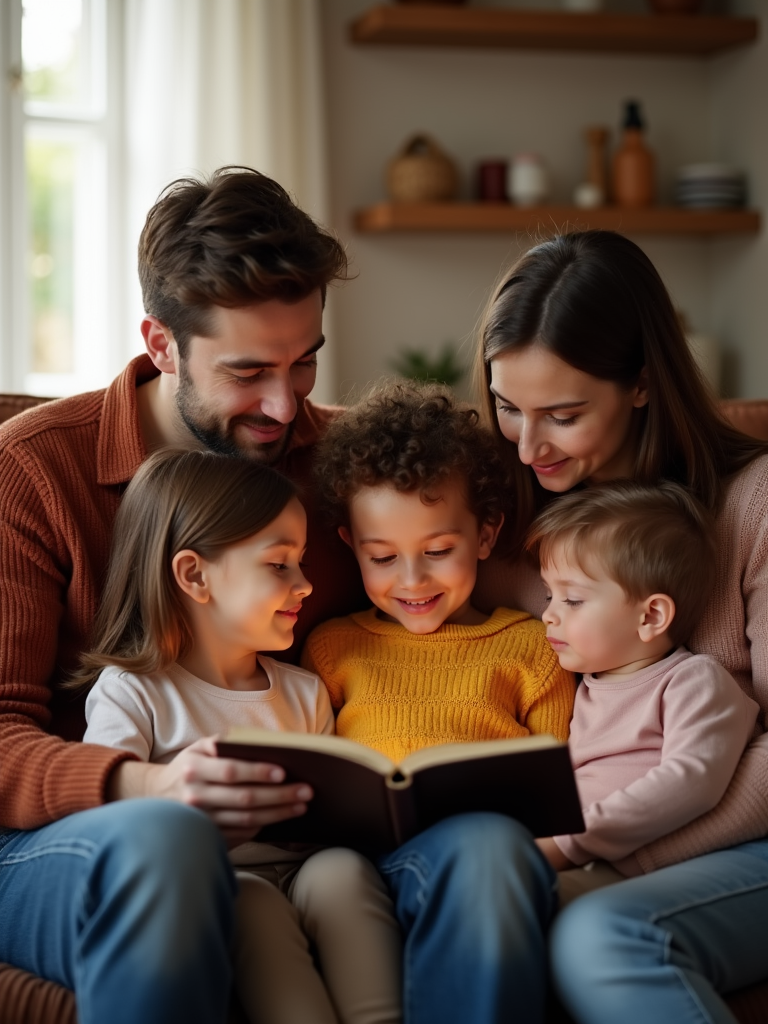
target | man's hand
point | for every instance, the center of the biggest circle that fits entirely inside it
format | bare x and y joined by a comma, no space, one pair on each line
239,796
554,854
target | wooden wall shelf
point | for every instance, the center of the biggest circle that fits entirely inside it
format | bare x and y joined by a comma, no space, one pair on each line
692,35
392,218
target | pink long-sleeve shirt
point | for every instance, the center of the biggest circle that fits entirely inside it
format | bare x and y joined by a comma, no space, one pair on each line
653,751
733,630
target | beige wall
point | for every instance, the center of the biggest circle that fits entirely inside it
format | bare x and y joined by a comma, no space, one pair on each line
422,290
738,268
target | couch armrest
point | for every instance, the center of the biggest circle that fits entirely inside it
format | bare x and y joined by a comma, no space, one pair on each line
12,404
750,415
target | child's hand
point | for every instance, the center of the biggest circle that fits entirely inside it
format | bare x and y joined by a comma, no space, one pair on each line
554,854
239,796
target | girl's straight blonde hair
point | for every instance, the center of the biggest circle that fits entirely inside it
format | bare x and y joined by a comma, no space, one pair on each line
193,499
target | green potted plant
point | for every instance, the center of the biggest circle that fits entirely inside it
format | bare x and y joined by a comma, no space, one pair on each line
443,368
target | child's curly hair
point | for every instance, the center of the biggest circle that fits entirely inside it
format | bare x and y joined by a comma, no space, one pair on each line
413,437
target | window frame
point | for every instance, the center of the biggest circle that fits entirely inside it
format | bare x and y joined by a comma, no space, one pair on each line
95,364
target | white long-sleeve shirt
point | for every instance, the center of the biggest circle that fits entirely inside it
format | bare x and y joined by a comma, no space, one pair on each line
653,751
156,716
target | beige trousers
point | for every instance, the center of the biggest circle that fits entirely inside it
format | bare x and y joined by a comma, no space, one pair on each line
577,881
317,943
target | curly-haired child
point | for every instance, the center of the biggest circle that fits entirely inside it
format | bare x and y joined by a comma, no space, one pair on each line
414,484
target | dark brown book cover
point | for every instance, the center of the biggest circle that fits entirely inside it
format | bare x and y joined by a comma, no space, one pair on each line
363,800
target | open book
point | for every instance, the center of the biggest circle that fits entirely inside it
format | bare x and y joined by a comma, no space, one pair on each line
364,800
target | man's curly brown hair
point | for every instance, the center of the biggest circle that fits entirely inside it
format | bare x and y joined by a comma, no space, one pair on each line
413,437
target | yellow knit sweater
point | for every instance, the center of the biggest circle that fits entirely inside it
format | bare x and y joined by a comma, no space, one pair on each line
399,691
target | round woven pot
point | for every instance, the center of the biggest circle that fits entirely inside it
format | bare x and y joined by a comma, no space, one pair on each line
421,173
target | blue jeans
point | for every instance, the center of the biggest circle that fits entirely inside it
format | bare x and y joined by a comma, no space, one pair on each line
130,905
474,898
661,947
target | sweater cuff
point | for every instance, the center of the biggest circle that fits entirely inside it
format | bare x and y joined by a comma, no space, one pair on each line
741,816
570,847
47,778
629,866
83,785
81,782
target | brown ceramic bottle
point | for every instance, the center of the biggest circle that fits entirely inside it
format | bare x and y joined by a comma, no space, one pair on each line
634,170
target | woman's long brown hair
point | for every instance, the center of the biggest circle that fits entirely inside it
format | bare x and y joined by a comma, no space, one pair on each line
199,500
596,301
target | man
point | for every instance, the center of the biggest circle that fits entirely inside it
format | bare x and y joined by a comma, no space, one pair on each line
234,278
129,902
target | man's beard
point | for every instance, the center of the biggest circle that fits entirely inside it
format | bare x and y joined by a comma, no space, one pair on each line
210,432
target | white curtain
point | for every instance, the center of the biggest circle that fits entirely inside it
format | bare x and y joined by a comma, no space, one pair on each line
214,82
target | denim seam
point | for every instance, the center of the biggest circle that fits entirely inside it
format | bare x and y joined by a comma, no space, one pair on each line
420,867
411,862
705,1016
663,914
667,958
78,970
76,848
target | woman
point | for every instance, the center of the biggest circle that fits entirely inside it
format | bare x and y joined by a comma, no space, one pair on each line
586,376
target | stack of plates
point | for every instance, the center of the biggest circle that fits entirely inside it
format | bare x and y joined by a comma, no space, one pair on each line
708,186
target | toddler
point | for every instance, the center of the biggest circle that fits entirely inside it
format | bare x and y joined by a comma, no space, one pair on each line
415,485
205,573
657,731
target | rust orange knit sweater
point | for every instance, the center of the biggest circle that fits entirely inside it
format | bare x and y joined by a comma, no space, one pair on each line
63,468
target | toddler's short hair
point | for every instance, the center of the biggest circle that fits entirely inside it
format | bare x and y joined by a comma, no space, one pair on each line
649,540
412,437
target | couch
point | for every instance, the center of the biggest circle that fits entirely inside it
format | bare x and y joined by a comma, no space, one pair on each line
43,1002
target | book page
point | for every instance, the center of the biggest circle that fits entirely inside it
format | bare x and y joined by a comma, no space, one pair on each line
450,753
338,746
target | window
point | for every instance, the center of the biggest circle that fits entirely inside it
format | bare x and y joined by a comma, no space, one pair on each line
60,195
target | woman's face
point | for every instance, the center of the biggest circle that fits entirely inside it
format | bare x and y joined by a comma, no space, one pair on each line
568,426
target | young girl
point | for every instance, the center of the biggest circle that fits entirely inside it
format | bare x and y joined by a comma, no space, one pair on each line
206,572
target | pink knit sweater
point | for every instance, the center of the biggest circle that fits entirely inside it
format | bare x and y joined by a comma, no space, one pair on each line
734,631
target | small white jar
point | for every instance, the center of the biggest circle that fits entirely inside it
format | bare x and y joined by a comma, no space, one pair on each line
528,183
587,196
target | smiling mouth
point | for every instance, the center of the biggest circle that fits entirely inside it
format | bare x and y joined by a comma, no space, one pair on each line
291,612
553,467
420,607
271,430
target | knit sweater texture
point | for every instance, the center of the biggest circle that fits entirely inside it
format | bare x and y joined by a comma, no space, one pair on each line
652,751
398,691
733,631
63,469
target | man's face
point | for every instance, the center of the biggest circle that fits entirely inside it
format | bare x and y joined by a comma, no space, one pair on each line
239,391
